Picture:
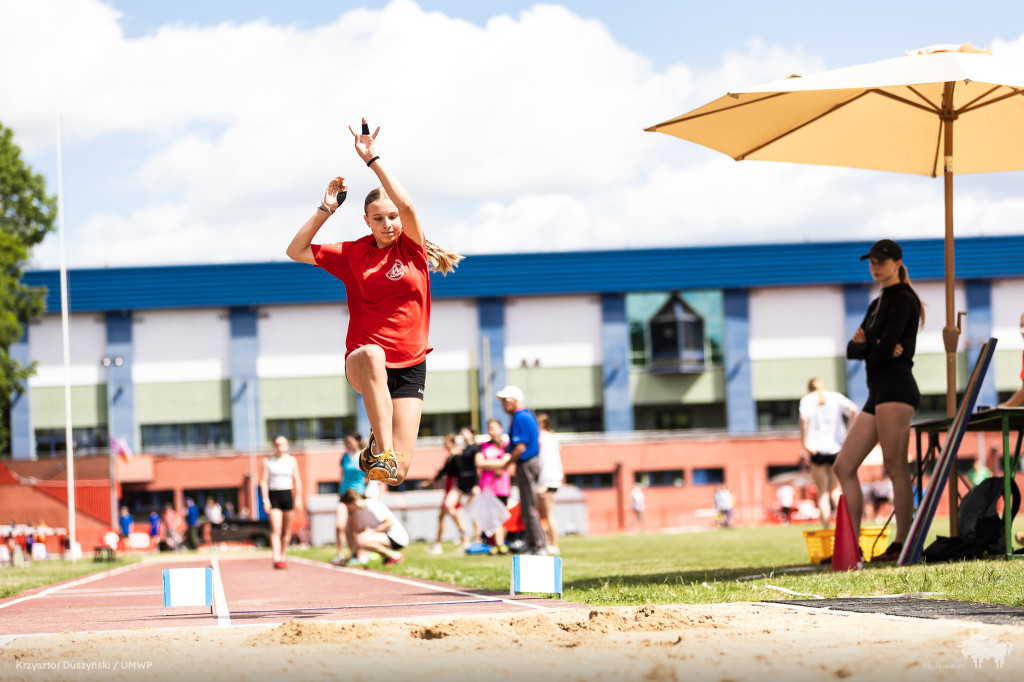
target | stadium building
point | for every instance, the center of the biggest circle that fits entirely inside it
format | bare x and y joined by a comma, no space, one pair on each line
679,369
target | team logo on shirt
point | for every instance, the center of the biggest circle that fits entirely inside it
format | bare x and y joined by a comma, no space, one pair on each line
396,272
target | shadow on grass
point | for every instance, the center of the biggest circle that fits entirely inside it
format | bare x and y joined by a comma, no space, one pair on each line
704,575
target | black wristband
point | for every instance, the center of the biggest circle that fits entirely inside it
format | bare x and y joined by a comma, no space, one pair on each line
368,163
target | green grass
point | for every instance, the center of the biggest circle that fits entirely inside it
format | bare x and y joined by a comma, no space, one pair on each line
16,579
743,564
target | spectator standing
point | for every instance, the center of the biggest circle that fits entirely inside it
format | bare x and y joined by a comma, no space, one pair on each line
886,340
492,461
172,527
786,495
823,416
214,514
154,528
282,496
551,475
191,524
454,482
723,505
524,447
126,523
638,503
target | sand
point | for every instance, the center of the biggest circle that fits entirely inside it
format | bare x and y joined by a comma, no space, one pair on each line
752,641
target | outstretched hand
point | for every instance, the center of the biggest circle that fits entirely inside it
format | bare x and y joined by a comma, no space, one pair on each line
335,193
364,143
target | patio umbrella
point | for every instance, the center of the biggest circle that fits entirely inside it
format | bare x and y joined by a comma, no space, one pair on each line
901,115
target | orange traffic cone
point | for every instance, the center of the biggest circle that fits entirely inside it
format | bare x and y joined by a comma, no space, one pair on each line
845,549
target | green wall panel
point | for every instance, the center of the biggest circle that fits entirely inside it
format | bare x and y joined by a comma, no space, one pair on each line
664,389
183,402
451,391
787,379
930,372
88,406
306,397
1006,366
558,387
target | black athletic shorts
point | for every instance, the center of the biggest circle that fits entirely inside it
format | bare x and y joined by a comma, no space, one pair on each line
407,382
281,499
822,458
891,386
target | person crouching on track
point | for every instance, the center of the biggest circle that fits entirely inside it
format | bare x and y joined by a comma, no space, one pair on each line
377,529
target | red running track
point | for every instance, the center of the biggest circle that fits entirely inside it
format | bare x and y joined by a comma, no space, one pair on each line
247,590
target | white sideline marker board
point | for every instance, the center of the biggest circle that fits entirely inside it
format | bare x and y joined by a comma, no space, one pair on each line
536,574
188,587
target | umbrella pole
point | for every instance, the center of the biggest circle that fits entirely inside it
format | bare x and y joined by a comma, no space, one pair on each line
951,332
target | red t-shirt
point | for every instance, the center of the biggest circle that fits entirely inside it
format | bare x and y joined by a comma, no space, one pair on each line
388,294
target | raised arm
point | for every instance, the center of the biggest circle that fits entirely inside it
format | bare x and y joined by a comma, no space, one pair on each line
367,152
299,248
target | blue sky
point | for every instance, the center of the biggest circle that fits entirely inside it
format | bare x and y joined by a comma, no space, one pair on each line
206,131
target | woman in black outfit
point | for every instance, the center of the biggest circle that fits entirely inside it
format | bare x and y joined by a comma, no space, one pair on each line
886,341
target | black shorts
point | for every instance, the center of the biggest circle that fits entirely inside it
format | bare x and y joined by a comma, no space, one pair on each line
281,499
395,545
892,387
822,458
407,382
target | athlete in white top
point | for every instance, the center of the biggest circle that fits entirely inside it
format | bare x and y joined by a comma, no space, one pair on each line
823,418
281,488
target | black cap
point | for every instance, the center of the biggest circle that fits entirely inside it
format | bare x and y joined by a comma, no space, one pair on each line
884,249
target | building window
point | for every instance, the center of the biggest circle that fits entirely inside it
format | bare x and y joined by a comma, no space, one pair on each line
88,440
574,420
679,417
774,413
701,341
327,487
671,478
710,476
780,469
590,481
197,436
332,429
437,425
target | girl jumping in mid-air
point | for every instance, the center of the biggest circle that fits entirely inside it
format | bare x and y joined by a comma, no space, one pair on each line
387,283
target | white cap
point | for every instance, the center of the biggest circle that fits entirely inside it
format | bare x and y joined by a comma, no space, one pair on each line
511,393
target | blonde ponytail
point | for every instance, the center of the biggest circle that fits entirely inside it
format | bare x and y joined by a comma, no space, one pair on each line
441,259
905,279
816,385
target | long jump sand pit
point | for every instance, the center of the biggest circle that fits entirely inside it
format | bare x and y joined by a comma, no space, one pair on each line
705,642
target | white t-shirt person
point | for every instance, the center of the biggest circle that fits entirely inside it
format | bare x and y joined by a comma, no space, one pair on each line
374,512
825,423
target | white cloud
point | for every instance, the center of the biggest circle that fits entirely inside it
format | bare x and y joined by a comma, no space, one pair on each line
523,134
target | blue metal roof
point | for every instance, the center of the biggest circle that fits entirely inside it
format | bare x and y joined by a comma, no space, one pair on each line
530,274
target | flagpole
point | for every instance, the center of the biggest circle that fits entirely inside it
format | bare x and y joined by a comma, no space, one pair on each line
66,336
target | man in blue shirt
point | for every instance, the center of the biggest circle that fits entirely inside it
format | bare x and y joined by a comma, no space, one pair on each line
192,521
524,446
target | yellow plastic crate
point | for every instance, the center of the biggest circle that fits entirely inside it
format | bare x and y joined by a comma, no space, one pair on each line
820,542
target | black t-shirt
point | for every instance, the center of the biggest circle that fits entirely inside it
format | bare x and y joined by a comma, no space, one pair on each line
464,468
892,318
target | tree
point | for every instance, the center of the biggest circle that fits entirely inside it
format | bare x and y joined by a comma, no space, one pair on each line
27,214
